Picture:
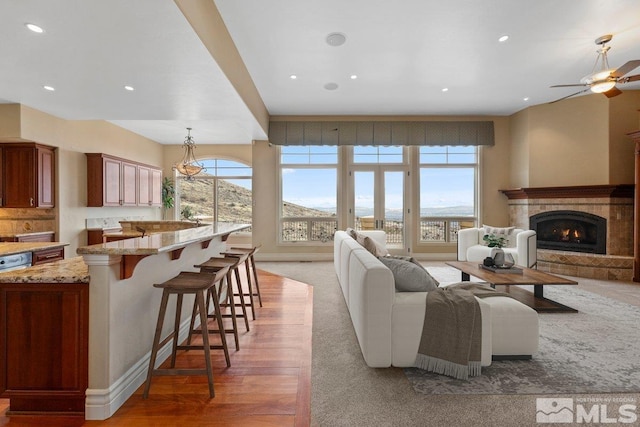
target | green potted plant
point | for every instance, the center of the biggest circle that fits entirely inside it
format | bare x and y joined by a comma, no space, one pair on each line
497,243
168,194
493,241
187,213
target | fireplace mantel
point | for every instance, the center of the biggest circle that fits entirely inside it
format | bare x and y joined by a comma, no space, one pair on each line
578,191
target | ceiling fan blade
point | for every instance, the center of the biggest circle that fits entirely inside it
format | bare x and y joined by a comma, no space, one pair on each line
631,65
568,96
630,79
579,84
614,91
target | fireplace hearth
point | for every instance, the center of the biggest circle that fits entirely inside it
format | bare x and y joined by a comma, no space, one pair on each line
568,230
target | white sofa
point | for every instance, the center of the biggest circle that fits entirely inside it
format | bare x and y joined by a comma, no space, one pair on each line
388,324
521,244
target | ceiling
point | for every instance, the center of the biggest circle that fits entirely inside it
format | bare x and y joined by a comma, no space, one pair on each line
404,54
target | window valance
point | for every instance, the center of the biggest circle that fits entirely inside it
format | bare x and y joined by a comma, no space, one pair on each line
381,133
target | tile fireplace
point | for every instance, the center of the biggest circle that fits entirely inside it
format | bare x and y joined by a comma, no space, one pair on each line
583,231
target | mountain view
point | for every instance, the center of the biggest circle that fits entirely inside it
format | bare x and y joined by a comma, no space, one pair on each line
235,202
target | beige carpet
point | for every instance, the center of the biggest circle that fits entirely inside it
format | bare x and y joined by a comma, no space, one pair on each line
345,392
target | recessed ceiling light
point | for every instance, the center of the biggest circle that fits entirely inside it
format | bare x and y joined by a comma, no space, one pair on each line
526,98
331,86
34,28
353,76
503,39
129,88
336,39
293,77
445,89
49,88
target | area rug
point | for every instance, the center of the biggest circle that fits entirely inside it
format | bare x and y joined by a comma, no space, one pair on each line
596,350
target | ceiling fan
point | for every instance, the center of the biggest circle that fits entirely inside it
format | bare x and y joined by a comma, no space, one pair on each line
602,78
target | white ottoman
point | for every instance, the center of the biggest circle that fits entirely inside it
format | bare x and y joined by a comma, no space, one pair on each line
514,329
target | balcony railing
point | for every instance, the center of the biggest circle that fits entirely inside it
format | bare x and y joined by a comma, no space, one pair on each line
308,229
443,229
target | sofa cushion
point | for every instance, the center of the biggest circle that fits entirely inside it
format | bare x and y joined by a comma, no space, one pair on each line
409,276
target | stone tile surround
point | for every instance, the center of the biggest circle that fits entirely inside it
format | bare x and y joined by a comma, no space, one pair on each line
614,203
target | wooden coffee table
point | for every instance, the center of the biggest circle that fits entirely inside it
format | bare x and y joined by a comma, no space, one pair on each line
538,279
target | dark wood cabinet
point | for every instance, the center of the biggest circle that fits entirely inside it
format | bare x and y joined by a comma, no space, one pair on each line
112,181
95,237
44,331
1,179
28,171
47,255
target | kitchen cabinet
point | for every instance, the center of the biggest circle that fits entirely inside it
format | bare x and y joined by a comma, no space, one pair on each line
95,237
149,186
44,345
1,180
47,255
28,171
112,181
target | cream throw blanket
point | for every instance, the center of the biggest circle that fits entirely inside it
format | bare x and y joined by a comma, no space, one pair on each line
452,331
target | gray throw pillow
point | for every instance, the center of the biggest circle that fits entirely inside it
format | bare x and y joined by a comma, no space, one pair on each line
409,276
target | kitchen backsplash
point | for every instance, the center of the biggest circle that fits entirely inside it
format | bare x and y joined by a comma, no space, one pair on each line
26,220
112,222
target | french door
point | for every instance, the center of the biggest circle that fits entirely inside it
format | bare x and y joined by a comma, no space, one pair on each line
379,201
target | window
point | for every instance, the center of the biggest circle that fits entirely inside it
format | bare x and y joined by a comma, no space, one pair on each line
222,192
308,193
377,154
448,188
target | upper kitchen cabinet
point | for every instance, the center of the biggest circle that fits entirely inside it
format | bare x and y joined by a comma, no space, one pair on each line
28,171
112,181
149,186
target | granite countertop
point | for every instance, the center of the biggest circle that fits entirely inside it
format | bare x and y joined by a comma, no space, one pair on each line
29,233
126,234
10,248
71,270
160,242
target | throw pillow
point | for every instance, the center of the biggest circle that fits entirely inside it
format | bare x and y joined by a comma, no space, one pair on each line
351,232
488,229
371,245
409,276
506,232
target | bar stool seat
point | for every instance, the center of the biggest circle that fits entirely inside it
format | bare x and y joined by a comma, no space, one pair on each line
215,264
220,295
185,283
249,263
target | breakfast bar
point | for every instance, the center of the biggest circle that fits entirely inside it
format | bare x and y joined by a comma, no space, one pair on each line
123,305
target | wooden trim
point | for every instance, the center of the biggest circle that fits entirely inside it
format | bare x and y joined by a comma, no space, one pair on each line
128,264
635,136
175,254
578,191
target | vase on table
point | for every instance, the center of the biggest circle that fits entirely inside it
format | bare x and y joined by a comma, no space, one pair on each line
498,256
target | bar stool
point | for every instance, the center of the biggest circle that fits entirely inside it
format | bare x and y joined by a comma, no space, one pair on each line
235,252
183,284
215,264
218,295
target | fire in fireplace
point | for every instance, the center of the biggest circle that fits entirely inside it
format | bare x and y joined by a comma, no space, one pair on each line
570,231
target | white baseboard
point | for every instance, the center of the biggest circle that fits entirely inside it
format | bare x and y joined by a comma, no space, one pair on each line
101,404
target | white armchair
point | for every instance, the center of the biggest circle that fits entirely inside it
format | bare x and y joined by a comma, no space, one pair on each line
521,244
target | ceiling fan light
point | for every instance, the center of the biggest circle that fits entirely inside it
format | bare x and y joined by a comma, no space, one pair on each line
604,86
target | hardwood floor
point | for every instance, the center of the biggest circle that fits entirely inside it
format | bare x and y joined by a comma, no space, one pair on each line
268,383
